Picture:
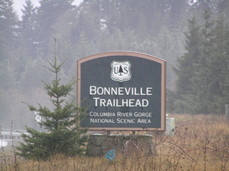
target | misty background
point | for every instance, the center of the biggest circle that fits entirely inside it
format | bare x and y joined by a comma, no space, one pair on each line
162,28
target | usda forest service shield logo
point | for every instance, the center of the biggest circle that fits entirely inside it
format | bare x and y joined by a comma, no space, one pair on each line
120,71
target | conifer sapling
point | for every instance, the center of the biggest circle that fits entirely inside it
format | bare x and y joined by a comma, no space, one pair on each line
61,124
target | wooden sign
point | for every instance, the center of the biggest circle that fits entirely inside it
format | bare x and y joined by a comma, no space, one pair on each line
122,91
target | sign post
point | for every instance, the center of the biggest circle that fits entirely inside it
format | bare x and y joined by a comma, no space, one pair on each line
122,91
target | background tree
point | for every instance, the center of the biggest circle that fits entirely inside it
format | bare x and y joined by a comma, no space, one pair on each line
203,77
186,68
202,72
47,19
218,86
28,28
61,124
8,29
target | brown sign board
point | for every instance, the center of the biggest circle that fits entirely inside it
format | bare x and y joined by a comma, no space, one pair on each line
122,91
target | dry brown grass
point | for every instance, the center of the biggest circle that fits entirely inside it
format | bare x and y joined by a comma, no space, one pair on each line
200,143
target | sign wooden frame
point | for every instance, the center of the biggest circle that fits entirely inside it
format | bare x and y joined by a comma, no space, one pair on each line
130,54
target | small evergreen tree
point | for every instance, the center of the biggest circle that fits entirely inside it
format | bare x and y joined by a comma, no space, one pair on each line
61,124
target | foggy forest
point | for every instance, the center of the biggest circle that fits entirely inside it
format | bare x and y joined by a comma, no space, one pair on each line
192,36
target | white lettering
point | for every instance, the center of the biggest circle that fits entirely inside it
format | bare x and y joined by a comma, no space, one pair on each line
145,121
125,114
93,120
100,102
121,91
143,114
96,101
101,114
92,90
130,121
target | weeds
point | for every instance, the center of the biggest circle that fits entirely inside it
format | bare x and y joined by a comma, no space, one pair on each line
200,143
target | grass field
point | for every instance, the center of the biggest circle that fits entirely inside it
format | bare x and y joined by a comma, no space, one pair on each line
200,143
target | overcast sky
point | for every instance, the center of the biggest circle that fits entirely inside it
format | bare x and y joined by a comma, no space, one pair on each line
18,4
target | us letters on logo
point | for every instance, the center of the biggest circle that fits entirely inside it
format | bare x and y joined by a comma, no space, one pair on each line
120,71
